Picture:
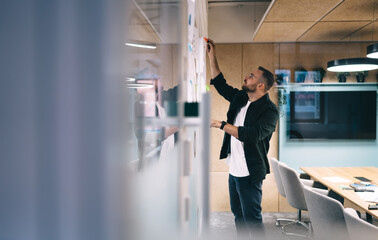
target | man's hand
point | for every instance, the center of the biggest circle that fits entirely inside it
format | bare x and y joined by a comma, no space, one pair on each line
214,68
215,123
228,128
210,48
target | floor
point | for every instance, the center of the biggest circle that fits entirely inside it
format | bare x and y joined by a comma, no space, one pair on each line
222,225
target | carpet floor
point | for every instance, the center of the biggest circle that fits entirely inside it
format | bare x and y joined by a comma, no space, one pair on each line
222,225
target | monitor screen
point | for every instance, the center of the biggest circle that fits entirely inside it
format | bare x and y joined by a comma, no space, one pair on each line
332,115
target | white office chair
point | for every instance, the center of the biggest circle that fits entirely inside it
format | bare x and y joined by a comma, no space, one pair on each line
358,228
277,176
327,216
293,187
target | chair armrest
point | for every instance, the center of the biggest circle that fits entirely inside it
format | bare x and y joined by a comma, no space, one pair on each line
307,182
321,191
351,212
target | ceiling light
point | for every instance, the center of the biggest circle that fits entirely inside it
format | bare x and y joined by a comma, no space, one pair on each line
130,79
139,85
372,51
352,65
139,45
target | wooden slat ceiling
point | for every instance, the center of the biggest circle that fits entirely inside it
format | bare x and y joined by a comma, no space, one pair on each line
319,21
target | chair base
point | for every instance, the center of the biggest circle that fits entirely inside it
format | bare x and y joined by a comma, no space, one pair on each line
279,220
307,226
294,222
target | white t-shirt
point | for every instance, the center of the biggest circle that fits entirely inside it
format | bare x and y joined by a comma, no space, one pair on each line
236,159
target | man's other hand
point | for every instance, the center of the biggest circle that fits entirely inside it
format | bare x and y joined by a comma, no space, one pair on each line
215,123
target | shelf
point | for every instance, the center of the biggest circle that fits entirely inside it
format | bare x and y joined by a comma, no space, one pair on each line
329,86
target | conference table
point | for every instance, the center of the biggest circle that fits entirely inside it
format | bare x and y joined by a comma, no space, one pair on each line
337,178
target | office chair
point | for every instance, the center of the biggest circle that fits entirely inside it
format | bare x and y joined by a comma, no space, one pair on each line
327,216
277,176
293,187
358,228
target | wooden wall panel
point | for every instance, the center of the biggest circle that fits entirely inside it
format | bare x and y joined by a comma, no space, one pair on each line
262,54
255,55
273,150
230,63
219,197
270,194
311,56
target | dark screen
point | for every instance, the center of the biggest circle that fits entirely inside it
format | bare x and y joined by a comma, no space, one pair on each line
332,115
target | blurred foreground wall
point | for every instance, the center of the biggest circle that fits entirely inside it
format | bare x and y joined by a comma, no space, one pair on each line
60,119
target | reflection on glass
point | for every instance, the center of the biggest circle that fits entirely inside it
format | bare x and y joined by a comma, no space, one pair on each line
165,196
282,76
332,115
307,76
306,106
154,141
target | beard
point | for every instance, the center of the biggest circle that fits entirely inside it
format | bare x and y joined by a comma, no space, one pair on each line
245,88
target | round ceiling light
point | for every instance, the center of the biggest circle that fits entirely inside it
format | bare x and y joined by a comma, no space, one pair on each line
372,51
352,65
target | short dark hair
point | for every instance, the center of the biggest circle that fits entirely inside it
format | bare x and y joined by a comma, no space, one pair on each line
267,78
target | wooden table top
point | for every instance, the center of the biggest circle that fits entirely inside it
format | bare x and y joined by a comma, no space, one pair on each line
318,174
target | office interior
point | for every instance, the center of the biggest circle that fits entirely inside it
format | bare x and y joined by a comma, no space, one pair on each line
106,109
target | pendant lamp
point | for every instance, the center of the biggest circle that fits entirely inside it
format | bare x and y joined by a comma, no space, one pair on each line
372,51
352,65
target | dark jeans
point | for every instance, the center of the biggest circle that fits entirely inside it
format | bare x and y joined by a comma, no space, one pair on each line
245,200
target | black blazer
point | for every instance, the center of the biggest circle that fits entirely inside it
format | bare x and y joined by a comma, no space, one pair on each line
259,124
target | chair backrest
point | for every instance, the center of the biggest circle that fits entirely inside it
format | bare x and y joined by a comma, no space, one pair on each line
277,176
292,186
358,228
327,216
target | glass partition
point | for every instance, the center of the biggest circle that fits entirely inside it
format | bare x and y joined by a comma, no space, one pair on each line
165,80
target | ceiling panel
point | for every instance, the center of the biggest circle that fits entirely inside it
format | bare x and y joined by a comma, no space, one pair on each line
367,33
281,31
239,25
332,31
299,10
353,10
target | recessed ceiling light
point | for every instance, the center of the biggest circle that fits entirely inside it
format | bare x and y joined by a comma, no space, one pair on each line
352,65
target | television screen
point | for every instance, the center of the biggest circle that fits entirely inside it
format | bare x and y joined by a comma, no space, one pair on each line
332,115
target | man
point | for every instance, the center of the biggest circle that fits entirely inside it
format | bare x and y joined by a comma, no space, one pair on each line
251,121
